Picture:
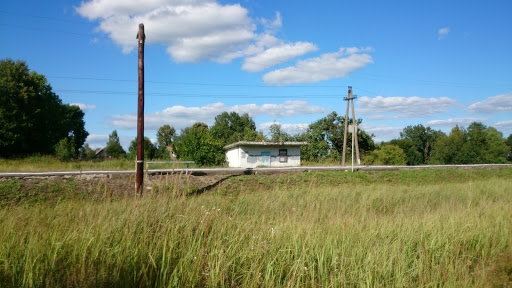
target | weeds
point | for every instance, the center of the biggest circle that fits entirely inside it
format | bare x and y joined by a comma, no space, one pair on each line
293,230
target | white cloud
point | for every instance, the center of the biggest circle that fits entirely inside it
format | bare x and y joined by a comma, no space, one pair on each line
276,55
325,67
404,107
499,103
83,107
289,128
382,133
443,32
503,125
274,25
97,140
181,116
196,30
454,121
191,30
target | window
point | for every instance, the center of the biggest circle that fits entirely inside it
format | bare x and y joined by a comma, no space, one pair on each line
283,155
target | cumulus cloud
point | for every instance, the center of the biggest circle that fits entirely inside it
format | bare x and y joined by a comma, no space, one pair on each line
443,32
289,128
276,55
404,107
455,121
504,125
325,67
181,116
191,30
196,30
83,107
382,132
499,103
96,140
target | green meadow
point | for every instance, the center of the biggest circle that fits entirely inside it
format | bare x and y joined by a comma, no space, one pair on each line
417,228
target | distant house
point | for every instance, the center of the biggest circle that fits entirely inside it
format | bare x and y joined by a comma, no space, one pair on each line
263,154
101,153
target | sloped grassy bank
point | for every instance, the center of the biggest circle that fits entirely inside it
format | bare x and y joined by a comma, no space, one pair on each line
331,229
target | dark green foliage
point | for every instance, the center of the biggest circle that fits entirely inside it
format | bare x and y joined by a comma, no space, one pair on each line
387,155
33,118
231,127
422,140
197,144
509,143
476,145
114,148
86,153
412,156
150,151
325,138
165,137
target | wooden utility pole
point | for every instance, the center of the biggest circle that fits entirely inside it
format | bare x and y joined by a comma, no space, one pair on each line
139,161
350,100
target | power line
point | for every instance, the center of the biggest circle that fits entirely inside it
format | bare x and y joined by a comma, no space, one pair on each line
194,95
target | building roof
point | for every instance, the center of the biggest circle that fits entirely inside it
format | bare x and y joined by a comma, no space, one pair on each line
263,143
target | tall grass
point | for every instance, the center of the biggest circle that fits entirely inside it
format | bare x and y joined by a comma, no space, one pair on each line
317,234
51,163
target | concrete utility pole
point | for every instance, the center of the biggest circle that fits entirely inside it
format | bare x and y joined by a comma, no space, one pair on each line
139,161
350,99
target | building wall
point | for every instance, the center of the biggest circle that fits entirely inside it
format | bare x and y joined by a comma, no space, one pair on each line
250,156
233,157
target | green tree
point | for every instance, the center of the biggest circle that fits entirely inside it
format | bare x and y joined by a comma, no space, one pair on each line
196,143
422,139
86,152
232,127
114,148
33,118
278,135
509,143
412,155
388,154
165,138
65,149
476,145
446,150
150,151
325,138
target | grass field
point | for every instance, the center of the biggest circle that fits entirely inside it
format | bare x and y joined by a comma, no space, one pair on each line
429,228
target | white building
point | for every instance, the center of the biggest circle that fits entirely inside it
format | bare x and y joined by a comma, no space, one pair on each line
263,154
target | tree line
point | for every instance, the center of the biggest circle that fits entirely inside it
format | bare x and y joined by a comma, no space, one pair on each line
35,121
417,145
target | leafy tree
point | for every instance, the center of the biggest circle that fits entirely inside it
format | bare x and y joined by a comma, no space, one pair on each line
325,138
150,151
231,127
65,149
509,143
86,152
196,143
412,155
114,148
33,118
165,137
388,154
476,145
277,135
422,139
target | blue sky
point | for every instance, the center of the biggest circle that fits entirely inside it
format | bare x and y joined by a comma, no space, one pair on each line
436,63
